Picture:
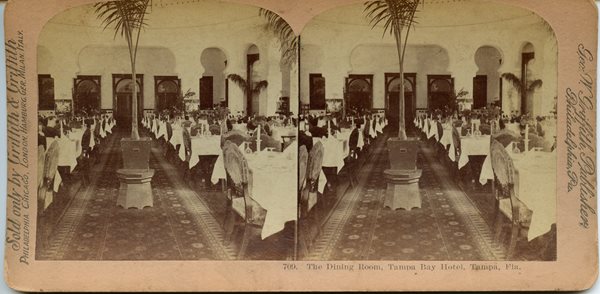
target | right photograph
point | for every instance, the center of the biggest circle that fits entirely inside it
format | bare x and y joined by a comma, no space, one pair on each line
427,131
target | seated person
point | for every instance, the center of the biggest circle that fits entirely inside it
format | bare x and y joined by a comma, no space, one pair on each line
538,127
51,130
41,135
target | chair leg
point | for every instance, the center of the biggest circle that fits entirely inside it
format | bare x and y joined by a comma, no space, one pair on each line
245,241
498,226
513,241
228,225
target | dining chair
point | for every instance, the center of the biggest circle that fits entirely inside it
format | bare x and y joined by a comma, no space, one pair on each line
244,211
457,152
351,162
187,144
46,193
441,149
507,203
214,129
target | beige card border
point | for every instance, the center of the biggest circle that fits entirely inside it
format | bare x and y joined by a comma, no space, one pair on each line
575,23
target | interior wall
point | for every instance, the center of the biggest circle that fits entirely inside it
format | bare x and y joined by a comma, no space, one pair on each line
168,46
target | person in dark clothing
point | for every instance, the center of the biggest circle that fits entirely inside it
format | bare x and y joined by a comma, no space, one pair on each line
305,140
41,135
84,158
51,130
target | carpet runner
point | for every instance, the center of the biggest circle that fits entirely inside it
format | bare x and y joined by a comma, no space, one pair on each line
178,227
447,227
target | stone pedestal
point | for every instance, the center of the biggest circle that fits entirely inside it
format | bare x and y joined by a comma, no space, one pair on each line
402,189
135,190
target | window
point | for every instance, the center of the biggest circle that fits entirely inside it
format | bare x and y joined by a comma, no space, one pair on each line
46,92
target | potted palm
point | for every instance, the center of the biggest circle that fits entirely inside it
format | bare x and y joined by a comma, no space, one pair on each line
248,87
523,88
397,18
127,18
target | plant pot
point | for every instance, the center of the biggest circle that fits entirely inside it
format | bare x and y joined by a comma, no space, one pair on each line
136,153
402,154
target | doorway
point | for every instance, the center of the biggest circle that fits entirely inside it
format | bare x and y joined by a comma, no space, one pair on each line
440,89
122,95
86,97
480,86
167,92
359,93
392,93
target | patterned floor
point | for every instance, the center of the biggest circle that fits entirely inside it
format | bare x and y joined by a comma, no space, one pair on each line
447,227
179,226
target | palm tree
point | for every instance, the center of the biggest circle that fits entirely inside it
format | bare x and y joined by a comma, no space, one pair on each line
523,88
249,88
126,17
288,41
397,17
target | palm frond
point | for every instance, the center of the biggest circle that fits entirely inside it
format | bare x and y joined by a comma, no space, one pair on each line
534,85
259,86
123,16
514,81
394,15
288,41
240,81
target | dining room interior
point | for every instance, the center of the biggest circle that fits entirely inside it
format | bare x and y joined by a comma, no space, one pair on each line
184,170
239,139
454,161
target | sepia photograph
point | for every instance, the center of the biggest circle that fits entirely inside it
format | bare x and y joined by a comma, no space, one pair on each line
181,163
447,132
267,145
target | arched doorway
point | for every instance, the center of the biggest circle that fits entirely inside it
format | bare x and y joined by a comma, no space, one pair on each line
252,56
359,93
392,94
486,84
86,97
122,94
440,90
527,59
167,92
213,84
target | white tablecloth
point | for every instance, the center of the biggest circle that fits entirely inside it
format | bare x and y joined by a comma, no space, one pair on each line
203,145
334,152
283,131
535,186
67,153
472,145
533,169
274,185
344,134
240,127
446,138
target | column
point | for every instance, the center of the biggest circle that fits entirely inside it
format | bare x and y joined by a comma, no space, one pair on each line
236,63
511,63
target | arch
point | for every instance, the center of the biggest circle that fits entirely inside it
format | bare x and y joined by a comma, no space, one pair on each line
86,94
486,84
125,85
213,84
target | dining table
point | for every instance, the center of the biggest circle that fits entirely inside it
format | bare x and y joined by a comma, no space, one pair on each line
273,184
532,168
202,145
471,145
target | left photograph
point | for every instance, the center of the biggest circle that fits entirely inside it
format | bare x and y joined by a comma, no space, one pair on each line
167,130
